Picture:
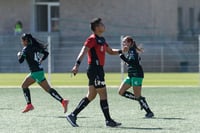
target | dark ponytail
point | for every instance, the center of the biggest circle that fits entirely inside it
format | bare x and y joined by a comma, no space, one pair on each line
33,41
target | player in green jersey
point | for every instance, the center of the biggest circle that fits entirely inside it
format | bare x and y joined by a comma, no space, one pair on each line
135,74
32,48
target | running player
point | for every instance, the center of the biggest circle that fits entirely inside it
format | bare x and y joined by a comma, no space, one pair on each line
32,48
95,47
135,74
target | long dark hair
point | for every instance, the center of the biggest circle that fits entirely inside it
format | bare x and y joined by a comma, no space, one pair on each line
33,41
133,43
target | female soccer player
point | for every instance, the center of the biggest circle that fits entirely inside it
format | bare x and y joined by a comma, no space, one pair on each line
135,74
95,47
32,48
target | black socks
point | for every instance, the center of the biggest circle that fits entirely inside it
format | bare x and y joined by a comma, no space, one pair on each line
144,104
82,104
52,92
27,95
141,100
55,94
105,109
129,95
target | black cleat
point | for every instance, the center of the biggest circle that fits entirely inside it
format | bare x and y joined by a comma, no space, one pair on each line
112,123
149,115
72,120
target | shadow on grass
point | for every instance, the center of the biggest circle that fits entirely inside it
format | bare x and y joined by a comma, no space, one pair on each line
61,117
122,127
65,117
128,128
169,118
140,128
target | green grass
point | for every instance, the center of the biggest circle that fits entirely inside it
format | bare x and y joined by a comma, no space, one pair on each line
112,79
176,111
174,98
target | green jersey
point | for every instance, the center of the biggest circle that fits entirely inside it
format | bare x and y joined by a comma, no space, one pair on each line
31,53
133,62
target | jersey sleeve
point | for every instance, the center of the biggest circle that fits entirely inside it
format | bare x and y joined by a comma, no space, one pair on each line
131,59
125,59
90,42
45,53
23,56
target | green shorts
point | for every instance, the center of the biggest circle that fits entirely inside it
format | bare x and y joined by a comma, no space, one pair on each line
38,76
133,81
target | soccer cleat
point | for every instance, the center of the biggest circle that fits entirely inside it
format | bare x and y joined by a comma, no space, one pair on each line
28,107
112,123
149,115
72,120
65,104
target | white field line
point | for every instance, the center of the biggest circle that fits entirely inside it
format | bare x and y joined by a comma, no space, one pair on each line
162,86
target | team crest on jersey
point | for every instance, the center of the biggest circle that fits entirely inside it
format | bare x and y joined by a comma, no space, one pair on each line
132,53
99,41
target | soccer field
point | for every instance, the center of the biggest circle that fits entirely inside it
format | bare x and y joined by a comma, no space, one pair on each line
176,110
112,79
175,102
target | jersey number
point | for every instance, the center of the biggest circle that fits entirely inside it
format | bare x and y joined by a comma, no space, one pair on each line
36,57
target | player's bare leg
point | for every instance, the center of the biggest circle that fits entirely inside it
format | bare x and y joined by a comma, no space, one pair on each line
123,91
92,93
45,85
26,83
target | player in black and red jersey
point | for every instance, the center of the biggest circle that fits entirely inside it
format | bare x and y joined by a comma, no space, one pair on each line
95,47
30,52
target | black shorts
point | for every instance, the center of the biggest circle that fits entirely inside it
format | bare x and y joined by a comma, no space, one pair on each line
96,76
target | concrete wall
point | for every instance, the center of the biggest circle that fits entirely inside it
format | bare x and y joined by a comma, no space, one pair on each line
135,17
12,11
185,5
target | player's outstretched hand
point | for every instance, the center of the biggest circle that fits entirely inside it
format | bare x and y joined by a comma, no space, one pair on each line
125,49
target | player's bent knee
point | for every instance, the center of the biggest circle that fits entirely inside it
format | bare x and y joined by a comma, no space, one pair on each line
120,92
91,98
24,86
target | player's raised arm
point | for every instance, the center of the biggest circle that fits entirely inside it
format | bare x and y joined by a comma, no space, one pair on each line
80,57
111,51
45,55
21,56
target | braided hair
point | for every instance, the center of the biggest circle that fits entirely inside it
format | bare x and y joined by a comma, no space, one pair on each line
33,41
